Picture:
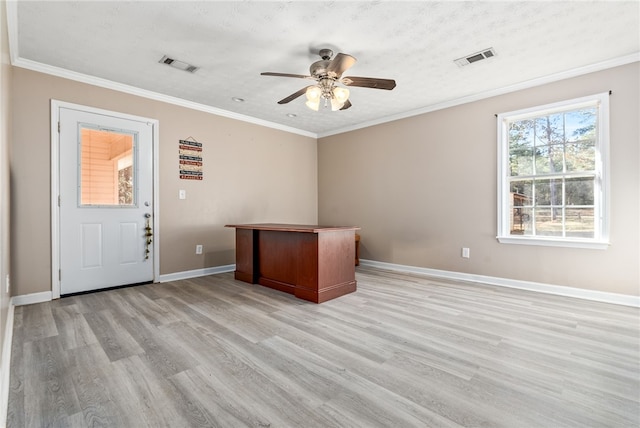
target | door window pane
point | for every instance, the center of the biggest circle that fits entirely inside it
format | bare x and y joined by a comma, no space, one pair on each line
107,173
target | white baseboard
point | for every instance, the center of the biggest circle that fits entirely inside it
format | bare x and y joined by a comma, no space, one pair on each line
46,296
561,290
28,299
5,370
196,273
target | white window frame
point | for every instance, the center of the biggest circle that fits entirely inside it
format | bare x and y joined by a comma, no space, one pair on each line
601,188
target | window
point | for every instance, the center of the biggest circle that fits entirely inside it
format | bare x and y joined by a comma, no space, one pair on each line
552,174
106,167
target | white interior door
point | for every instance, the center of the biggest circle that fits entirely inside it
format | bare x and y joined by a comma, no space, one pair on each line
106,201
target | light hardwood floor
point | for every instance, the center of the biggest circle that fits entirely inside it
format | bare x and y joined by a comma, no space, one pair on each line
403,351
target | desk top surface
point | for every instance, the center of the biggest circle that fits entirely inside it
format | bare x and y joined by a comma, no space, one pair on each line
305,228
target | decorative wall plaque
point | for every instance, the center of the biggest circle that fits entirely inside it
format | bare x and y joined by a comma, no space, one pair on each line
190,159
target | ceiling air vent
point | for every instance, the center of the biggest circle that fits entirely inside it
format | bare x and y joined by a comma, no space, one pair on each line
475,57
178,64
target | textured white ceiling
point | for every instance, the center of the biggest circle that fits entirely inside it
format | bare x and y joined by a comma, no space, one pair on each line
414,43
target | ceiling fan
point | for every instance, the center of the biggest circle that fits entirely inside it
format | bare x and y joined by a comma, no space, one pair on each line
327,72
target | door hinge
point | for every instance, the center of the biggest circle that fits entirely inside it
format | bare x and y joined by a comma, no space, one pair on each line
58,127
59,201
59,274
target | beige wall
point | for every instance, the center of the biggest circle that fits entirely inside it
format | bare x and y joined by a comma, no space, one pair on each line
422,188
251,174
5,135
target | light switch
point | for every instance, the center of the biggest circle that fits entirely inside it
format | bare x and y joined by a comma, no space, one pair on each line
182,194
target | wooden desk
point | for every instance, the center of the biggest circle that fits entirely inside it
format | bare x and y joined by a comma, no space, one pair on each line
313,263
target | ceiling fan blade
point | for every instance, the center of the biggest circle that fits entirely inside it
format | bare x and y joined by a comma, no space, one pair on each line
341,63
369,82
300,76
346,105
293,96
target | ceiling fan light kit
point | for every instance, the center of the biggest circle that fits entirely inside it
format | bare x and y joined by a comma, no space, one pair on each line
326,91
340,96
327,72
313,94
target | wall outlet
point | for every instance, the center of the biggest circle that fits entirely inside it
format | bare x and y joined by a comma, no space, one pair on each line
465,253
198,249
182,194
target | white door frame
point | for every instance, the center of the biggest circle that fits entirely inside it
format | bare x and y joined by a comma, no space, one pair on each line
55,186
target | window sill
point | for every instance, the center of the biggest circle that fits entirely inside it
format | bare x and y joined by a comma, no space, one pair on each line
550,242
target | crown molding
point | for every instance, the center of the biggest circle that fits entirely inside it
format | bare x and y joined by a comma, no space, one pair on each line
12,29
17,61
615,62
132,90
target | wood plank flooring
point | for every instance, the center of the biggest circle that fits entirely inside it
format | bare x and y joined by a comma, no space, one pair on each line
403,351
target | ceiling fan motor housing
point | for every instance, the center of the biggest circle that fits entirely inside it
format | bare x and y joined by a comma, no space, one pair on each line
319,68
325,54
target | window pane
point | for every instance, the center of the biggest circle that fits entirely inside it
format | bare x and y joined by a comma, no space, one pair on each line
549,159
579,191
125,185
581,124
521,162
522,192
521,221
548,221
521,200
549,130
556,155
106,168
581,156
542,160
579,222
521,147
548,192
